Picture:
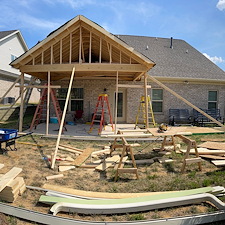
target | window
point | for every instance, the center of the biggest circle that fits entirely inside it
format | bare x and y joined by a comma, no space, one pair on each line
157,100
13,57
212,100
75,101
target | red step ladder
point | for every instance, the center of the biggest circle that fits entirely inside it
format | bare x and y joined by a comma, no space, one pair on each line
99,113
42,107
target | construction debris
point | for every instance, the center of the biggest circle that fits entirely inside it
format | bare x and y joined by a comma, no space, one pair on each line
11,186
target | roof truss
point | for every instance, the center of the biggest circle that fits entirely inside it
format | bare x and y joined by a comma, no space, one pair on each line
92,50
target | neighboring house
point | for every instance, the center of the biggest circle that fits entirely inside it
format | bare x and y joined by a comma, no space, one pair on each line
103,60
12,45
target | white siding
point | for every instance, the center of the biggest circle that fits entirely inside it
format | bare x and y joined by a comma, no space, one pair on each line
10,46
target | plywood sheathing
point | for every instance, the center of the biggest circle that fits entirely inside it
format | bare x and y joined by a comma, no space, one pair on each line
213,145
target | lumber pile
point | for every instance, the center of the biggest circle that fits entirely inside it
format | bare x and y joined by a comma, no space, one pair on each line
11,186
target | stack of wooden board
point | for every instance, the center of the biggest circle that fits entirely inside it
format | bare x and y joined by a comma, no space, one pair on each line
11,186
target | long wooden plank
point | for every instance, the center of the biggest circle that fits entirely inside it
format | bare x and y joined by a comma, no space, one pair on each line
63,118
212,157
8,177
108,162
203,151
73,148
213,145
83,157
1,166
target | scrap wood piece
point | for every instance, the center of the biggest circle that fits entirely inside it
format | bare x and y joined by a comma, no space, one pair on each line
15,188
162,160
73,148
28,143
107,163
106,151
218,162
212,157
54,176
213,145
213,139
65,168
1,166
8,177
205,151
83,157
69,150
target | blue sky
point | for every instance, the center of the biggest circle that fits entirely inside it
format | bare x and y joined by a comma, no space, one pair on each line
201,23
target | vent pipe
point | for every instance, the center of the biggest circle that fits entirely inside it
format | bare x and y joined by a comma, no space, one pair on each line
171,42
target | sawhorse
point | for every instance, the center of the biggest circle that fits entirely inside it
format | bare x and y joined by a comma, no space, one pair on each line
127,148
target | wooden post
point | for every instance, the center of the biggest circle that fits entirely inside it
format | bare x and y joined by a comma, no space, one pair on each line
116,101
22,103
63,117
184,100
146,101
48,103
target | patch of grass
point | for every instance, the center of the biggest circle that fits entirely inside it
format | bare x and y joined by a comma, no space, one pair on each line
134,217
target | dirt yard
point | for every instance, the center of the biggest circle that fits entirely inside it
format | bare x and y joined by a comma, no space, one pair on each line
34,160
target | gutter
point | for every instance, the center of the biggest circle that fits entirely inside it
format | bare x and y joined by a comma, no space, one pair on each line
43,218
186,80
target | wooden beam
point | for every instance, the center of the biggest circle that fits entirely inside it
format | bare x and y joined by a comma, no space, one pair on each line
22,103
133,86
186,101
84,67
63,118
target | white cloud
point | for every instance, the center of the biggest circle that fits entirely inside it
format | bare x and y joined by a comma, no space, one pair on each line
221,5
73,3
214,59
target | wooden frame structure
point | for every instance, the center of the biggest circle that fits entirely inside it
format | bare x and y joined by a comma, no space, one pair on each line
94,52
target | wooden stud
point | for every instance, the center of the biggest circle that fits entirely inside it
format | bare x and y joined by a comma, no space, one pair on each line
70,57
60,52
146,101
63,118
116,101
22,103
90,47
48,103
100,50
80,46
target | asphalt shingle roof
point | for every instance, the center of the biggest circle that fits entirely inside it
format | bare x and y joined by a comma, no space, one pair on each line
180,61
6,33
